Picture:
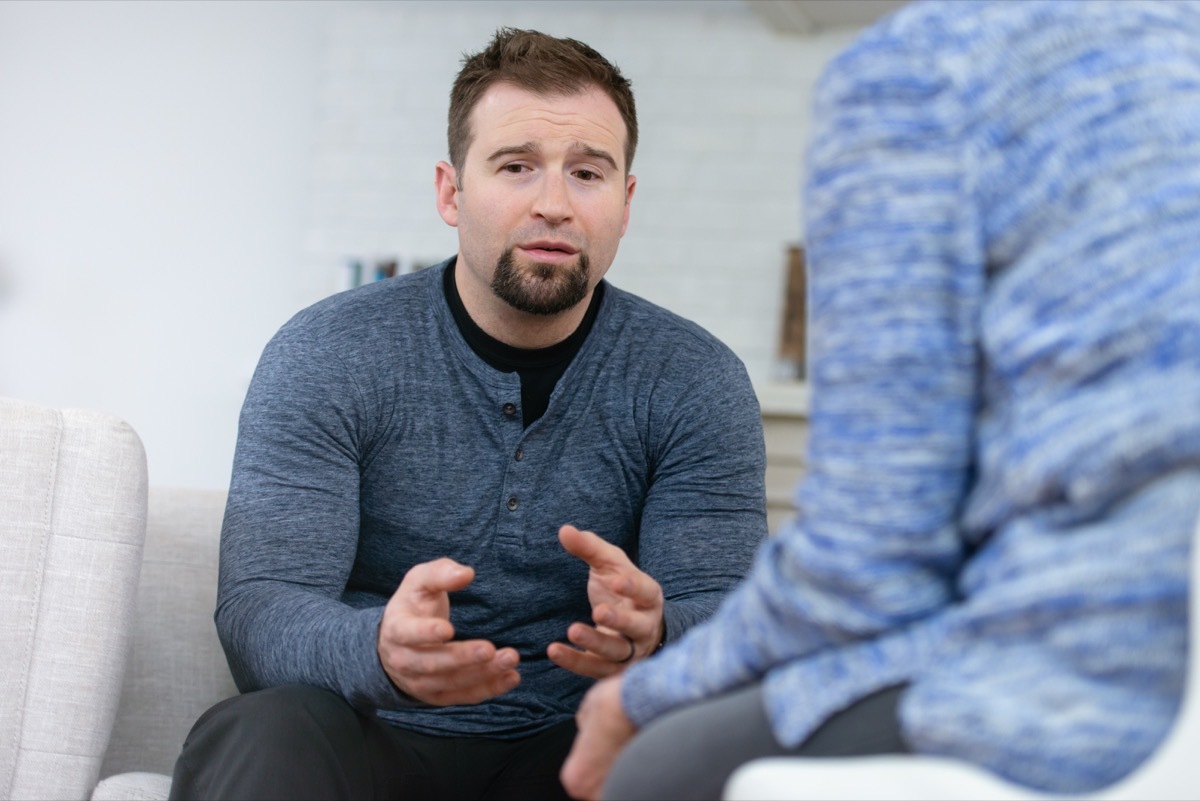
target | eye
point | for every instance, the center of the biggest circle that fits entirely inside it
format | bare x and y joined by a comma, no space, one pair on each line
515,168
587,175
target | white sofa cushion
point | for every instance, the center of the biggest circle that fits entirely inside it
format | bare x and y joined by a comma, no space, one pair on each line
177,668
72,521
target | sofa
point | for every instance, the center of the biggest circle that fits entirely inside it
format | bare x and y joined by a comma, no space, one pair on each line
108,652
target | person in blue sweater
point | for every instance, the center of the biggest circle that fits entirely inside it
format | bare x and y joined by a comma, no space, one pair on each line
460,496
990,560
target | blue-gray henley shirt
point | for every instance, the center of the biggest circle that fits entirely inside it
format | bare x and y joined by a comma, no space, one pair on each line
373,439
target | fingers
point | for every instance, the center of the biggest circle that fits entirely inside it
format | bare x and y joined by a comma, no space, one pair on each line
611,564
627,607
444,673
597,654
591,548
612,646
457,676
418,613
633,622
416,647
401,628
582,663
446,658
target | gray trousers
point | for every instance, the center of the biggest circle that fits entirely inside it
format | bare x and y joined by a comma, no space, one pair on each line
689,754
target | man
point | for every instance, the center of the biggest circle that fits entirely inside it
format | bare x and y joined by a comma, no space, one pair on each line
441,477
991,561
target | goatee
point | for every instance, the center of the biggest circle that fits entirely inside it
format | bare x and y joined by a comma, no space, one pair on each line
541,288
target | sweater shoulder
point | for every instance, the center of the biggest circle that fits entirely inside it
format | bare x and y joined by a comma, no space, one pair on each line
649,329
368,316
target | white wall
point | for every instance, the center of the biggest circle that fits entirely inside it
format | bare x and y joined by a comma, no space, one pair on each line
177,179
154,163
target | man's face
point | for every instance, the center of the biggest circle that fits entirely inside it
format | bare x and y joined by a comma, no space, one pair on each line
541,200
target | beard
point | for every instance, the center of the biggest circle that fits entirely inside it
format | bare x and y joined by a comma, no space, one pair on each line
541,288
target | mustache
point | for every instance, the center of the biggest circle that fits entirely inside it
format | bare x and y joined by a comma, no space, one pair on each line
547,233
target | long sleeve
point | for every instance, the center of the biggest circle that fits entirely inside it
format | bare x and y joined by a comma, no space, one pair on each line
705,510
893,303
291,530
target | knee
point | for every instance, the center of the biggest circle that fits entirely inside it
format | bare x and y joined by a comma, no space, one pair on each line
281,742
275,717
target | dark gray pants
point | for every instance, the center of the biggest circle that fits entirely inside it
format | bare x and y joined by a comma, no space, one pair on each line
301,742
690,754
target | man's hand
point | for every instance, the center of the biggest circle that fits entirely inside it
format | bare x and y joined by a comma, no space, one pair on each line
627,607
603,731
415,645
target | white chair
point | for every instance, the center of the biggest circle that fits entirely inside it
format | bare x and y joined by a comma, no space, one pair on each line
1170,773
108,652
73,495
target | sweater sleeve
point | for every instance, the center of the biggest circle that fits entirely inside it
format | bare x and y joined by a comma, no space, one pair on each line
291,530
895,277
705,510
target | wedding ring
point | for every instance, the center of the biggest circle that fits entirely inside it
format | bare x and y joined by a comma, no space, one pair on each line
632,650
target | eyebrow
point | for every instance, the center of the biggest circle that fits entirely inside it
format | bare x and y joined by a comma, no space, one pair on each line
577,148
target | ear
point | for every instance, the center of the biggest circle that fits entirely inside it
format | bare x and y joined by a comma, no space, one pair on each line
445,181
630,185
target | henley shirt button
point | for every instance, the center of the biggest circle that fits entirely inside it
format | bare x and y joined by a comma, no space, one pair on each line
520,454
510,409
512,504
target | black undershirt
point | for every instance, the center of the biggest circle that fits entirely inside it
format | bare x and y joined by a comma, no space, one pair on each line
538,368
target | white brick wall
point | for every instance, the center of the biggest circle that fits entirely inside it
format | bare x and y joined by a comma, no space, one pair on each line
723,109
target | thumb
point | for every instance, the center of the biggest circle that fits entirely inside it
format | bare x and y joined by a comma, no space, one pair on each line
439,576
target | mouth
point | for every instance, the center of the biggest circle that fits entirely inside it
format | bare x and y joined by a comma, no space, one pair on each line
548,250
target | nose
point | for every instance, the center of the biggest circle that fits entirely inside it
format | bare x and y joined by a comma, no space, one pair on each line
553,203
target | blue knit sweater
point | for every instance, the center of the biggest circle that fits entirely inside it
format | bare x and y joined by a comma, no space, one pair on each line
1004,465
374,438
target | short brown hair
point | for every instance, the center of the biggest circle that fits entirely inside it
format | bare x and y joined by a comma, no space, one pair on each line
542,64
